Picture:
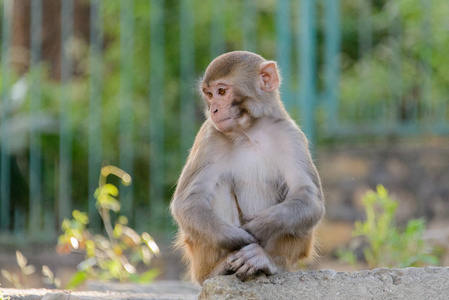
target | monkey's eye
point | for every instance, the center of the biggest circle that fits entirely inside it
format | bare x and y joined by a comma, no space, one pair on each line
208,94
221,91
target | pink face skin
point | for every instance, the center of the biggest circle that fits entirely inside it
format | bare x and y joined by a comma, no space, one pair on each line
225,114
225,110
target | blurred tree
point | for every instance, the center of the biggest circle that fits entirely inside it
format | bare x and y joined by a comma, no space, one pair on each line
51,33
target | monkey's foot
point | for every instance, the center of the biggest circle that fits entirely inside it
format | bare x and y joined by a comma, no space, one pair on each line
251,260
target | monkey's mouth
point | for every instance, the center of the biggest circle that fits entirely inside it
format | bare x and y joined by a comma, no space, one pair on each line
224,124
223,120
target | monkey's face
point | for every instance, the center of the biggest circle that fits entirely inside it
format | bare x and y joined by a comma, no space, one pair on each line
225,106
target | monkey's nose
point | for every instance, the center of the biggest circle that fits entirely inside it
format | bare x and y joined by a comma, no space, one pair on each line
215,111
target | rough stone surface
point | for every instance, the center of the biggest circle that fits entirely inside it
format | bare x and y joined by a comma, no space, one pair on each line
164,290
411,283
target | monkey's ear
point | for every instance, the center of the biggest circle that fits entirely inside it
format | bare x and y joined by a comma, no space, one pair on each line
268,76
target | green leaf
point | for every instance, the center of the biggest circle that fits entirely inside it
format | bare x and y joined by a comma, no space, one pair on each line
149,276
118,230
109,202
47,272
97,193
21,260
382,191
110,189
7,275
77,279
28,270
80,217
122,220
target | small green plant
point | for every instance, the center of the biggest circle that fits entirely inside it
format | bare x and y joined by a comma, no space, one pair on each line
3,297
25,270
49,278
116,255
387,246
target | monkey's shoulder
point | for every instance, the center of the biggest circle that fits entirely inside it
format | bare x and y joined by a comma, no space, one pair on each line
281,131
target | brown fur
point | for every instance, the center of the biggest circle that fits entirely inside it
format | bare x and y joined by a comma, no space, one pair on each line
241,212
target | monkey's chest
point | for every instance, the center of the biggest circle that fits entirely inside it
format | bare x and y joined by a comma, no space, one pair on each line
258,182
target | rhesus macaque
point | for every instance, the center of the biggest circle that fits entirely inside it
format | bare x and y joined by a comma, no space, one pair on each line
249,197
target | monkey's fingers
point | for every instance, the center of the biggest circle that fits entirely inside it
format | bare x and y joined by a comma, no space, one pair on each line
245,271
237,264
240,261
233,257
259,262
270,269
236,260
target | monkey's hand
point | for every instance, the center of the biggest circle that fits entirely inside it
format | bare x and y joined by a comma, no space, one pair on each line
256,228
250,261
234,238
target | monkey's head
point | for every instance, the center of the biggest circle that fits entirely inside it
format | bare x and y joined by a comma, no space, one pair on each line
239,87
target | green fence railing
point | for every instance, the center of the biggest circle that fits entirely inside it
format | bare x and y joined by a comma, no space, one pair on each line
113,82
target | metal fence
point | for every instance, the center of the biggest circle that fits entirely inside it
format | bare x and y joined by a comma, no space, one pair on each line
56,129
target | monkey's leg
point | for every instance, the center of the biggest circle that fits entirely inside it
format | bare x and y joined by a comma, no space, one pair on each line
287,250
222,268
251,260
206,261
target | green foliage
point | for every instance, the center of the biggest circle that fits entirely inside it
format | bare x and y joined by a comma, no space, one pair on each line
404,74
2,297
387,246
116,255
26,270
387,81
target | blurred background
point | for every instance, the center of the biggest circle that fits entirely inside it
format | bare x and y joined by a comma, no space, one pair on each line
91,83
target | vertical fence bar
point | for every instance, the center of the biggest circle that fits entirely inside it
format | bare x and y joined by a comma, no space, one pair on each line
429,111
307,59
35,106
157,73
187,61
365,33
284,50
365,28
126,101
5,160
65,135
95,111
19,221
249,21
332,42
217,33
396,67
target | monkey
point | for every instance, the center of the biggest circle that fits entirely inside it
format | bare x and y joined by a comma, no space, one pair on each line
249,198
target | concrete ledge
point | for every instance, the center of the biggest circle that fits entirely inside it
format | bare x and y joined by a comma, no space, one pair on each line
411,283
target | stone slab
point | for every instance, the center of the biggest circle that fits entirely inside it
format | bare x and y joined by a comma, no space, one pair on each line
410,283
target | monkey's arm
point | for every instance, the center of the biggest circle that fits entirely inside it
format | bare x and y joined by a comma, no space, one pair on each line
303,205
297,215
192,204
199,222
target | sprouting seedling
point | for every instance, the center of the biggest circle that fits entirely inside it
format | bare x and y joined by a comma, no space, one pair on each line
108,170
106,194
